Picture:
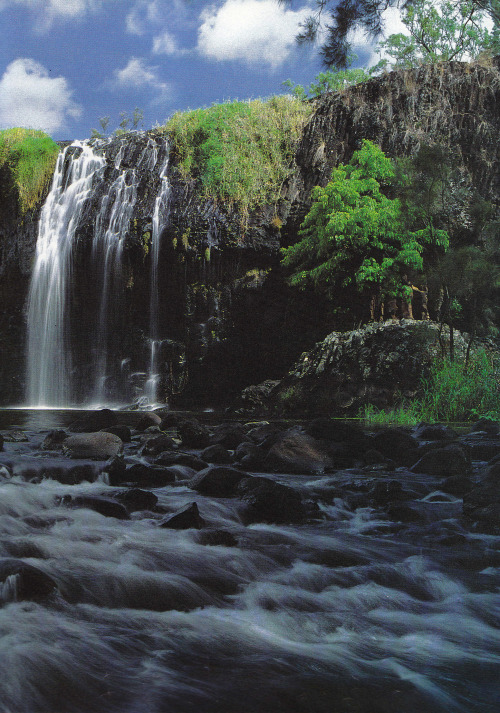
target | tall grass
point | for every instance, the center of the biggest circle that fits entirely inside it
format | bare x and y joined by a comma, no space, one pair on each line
30,155
239,151
454,392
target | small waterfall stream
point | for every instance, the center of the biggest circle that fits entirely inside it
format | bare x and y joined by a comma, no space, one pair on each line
82,171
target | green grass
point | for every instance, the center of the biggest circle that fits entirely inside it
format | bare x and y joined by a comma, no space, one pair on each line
454,392
240,152
31,156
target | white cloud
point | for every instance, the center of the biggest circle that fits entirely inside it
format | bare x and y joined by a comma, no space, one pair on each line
255,31
361,42
138,75
30,97
165,44
50,10
142,14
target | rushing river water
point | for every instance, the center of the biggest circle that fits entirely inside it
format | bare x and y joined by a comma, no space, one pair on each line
351,613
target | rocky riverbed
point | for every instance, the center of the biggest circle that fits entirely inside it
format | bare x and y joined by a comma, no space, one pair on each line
161,562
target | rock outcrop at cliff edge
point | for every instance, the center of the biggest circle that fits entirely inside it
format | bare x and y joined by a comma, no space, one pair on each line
377,364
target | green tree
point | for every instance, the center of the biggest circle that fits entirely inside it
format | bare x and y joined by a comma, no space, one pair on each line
438,30
355,238
332,81
334,21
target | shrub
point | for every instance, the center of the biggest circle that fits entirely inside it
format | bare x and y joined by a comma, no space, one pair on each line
30,156
240,152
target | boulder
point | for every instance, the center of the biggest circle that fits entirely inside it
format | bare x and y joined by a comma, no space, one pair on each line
296,452
95,421
434,432
158,444
193,434
86,472
488,425
188,517
217,538
216,454
28,582
121,431
457,485
267,501
149,476
98,503
96,446
1,442
54,440
444,462
481,445
328,429
229,435
480,497
397,444
116,469
148,419
136,499
217,481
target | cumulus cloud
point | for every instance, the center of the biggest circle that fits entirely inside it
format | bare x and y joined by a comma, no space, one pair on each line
165,44
50,10
254,31
30,97
141,15
138,75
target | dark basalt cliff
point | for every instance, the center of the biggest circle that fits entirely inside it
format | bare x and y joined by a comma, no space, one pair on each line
227,318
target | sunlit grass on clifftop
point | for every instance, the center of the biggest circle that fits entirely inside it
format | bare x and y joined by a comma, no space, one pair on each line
240,151
30,156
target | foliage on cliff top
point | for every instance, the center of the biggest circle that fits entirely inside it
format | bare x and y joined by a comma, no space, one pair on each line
31,156
239,151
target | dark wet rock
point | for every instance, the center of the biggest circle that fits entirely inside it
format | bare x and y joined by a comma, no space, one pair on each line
15,437
387,491
254,397
217,538
43,522
296,452
96,446
95,421
116,468
265,434
328,429
457,485
373,457
250,456
443,462
267,501
188,517
402,512
54,440
148,419
487,518
123,432
30,582
193,434
480,497
1,442
217,481
174,458
170,420
228,435
216,454
487,425
5,472
149,476
396,444
337,558
85,472
182,472
481,445
158,444
434,432
98,503
136,499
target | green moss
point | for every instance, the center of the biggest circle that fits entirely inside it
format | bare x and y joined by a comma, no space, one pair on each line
146,241
31,157
240,152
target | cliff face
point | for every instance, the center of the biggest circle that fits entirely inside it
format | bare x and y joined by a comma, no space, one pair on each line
453,102
226,318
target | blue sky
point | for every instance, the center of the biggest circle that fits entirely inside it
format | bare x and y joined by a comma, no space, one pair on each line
65,63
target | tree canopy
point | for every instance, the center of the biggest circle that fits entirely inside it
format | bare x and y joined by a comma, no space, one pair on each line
355,237
336,20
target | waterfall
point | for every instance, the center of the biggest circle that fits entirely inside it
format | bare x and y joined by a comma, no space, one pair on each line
159,221
112,180
49,358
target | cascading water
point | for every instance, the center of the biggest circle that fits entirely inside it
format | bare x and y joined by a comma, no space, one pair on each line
49,358
84,173
159,221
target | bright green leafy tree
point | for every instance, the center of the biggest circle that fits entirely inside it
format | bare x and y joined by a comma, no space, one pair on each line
333,81
439,30
355,238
